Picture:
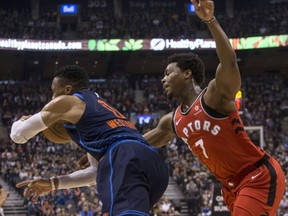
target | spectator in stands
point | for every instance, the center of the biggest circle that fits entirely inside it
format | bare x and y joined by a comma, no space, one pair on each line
165,205
192,195
136,22
284,204
47,208
86,211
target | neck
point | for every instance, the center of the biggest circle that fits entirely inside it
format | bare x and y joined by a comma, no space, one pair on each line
190,96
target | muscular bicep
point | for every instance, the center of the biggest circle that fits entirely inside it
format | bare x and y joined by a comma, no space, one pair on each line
228,80
162,134
66,108
222,90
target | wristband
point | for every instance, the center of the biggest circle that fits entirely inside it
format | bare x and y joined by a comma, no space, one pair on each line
53,183
210,21
23,130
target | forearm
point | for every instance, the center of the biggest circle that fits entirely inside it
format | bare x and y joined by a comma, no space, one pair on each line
156,142
22,130
163,133
80,178
224,50
156,139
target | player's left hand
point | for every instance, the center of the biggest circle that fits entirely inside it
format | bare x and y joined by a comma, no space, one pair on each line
35,188
204,9
83,162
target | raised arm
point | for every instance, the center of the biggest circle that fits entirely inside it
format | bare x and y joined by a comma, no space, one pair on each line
163,133
227,80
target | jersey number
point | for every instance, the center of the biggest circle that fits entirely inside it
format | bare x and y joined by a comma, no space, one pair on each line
201,143
198,143
113,110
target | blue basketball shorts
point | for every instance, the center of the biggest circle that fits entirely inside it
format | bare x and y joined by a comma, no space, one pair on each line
131,178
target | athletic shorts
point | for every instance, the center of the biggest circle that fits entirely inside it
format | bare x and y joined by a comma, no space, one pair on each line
259,193
131,178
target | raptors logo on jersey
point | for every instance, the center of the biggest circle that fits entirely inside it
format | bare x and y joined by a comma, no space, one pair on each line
216,138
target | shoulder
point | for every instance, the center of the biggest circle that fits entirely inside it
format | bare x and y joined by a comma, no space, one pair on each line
65,99
166,120
218,101
168,117
64,103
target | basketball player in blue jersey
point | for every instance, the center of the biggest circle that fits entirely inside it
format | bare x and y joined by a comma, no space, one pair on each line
131,176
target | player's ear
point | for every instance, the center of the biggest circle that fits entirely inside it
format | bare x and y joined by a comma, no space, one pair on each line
68,89
188,74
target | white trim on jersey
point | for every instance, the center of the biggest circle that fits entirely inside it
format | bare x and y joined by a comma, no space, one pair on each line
184,113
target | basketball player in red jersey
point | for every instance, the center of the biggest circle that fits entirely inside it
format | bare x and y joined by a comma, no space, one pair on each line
208,121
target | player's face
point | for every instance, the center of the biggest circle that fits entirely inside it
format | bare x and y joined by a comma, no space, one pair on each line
58,88
173,81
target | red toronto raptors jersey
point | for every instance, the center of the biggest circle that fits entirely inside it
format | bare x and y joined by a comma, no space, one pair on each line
218,140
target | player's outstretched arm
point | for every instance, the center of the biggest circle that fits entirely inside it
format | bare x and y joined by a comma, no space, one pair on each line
67,108
27,127
162,134
79,178
227,81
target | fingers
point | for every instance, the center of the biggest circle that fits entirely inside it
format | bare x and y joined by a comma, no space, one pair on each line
24,183
27,193
196,5
35,197
82,162
207,3
210,5
31,195
84,166
30,192
35,188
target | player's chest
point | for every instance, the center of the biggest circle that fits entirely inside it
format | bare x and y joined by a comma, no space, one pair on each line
195,123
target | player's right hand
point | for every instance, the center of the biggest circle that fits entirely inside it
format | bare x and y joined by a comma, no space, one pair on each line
35,188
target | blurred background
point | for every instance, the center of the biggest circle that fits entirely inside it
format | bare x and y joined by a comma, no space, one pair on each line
124,45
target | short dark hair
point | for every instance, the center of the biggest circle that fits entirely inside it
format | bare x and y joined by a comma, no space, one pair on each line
190,61
73,75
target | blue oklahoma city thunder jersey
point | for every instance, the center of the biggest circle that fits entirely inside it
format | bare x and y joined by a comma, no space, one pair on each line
100,126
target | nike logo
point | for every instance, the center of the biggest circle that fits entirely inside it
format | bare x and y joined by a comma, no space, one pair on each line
177,122
253,177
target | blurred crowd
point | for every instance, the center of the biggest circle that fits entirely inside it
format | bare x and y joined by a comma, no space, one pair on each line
138,19
264,103
264,100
